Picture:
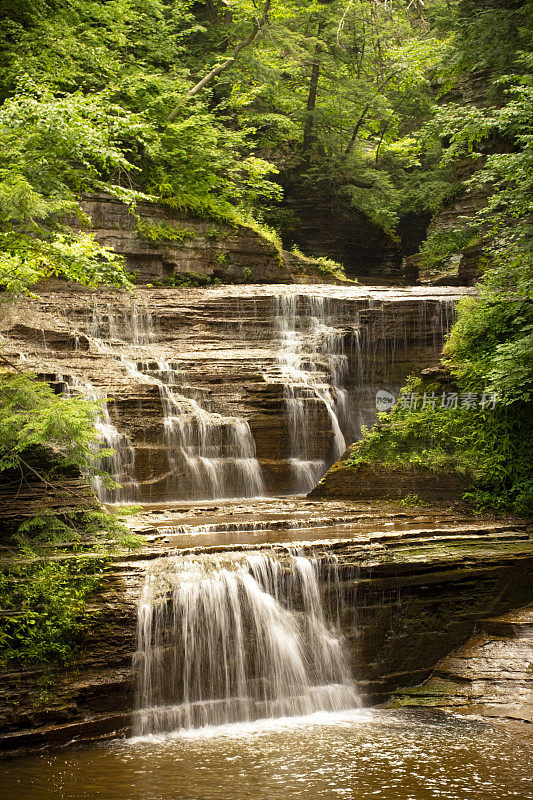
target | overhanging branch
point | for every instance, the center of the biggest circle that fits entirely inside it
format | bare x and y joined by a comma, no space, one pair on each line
257,26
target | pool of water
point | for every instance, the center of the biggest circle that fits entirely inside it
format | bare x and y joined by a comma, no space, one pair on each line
357,755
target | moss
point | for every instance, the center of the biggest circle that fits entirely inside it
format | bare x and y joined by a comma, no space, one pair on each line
193,279
441,245
324,266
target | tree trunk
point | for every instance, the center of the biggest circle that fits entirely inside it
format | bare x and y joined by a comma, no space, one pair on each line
311,97
258,25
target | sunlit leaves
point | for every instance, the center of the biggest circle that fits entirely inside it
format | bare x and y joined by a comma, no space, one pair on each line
31,414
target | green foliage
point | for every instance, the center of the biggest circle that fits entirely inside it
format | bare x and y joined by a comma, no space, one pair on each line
126,510
163,232
491,449
42,608
490,347
413,501
330,267
89,87
441,245
31,415
191,279
44,594
327,266
489,34
52,149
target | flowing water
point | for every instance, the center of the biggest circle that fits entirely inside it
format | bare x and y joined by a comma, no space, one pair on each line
119,464
209,455
358,755
244,688
313,369
328,349
233,638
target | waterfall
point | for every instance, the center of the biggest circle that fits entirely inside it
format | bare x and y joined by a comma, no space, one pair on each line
210,455
313,367
231,638
226,367
120,463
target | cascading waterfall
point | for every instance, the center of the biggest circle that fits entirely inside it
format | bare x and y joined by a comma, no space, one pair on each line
233,638
329,349
120,463
313,367
209,455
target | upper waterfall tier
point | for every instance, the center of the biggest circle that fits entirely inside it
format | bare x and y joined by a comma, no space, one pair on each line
230,391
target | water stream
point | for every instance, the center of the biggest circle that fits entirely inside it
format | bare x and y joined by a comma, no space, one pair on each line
313,369
120,484
328,349
243,678
358,755
233,638
209,455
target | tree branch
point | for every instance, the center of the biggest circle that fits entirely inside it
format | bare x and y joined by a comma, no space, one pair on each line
257,26
10,364
365,111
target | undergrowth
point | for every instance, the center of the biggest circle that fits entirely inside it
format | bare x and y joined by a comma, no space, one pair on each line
55,565
327,266
491,448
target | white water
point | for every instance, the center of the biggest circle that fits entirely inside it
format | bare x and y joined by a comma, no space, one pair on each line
235,638
313,369
328,351
209,455
120,463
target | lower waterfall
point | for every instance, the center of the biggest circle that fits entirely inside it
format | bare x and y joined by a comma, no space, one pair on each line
233,638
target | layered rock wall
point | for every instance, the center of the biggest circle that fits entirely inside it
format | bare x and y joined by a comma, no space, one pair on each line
406,591
162,245
491,674
237,352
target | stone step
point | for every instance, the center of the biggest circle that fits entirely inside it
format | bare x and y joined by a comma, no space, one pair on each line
511,626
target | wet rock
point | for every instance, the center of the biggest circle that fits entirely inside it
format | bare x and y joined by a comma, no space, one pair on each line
369,482
225,346
490,675
53,339
409,588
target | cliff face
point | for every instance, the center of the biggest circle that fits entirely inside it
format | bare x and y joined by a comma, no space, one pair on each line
322,225
168,244
161,245
369,482
271,381
491,674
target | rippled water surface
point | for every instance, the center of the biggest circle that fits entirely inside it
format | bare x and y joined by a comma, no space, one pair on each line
355,755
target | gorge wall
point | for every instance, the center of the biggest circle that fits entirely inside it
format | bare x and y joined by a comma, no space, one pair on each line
162,246
229,390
